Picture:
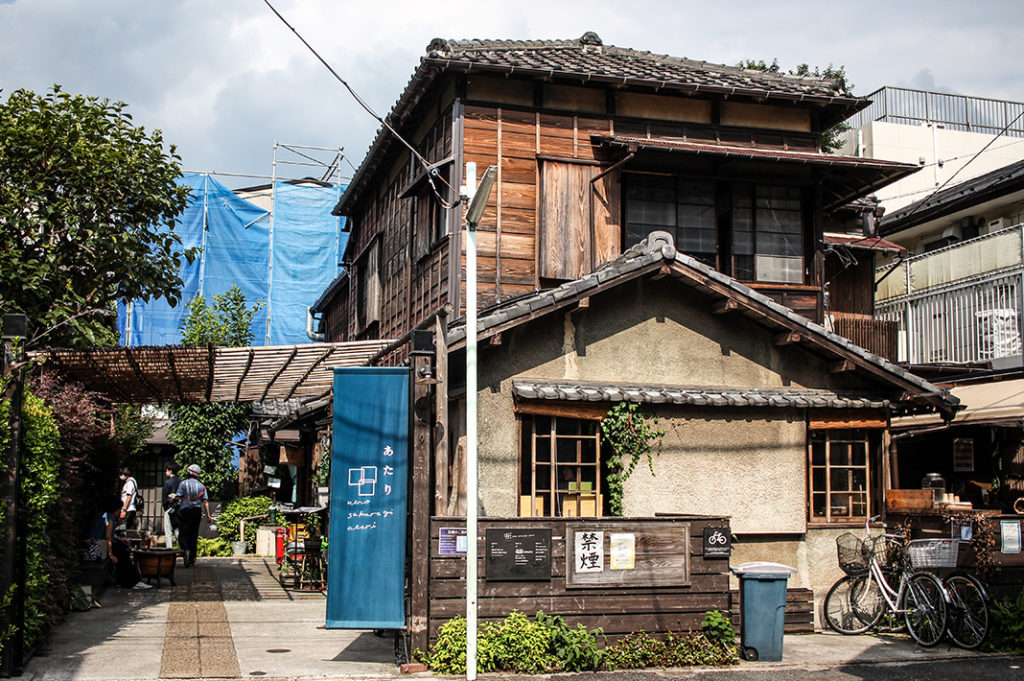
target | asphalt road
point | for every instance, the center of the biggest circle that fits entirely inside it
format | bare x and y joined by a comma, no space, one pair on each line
975,669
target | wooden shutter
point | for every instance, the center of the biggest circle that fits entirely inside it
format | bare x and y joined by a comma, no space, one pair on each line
572,241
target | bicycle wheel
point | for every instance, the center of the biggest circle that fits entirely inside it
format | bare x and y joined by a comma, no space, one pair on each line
853,605
968,611
925,611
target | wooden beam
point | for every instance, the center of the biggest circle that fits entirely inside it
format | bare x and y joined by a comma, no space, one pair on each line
787,338
270,383
245,372
420,493
663,272
441,440
841,366
727,305
320,360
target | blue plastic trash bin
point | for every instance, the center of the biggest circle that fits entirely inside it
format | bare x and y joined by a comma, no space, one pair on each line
762,609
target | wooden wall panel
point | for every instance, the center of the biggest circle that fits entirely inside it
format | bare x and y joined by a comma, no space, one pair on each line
617,609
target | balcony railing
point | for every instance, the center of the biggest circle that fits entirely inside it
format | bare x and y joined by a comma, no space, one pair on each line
959,304
953,112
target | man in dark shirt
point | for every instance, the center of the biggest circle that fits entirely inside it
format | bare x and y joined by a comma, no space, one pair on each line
171,482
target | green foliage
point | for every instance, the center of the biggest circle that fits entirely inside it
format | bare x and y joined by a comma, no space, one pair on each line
640,649
515,645
132,429
232,513
448,654
547,645
718,627
40,499
202,431
217,547
830,139
84,197
227,322
697,648
1007,625
630,433
574,649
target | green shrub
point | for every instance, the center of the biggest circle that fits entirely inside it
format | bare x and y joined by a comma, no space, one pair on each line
515,645
697,648
233,512
218,546
718,627
635,651
1007,625
575,650
448,654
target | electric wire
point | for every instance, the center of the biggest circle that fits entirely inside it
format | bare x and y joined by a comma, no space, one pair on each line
431,172
920,204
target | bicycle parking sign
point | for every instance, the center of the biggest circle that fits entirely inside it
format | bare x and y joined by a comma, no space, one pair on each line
717,543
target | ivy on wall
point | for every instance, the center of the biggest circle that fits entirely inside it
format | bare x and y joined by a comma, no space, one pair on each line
632,435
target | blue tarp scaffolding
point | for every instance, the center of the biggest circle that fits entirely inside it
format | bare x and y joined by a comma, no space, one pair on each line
287,269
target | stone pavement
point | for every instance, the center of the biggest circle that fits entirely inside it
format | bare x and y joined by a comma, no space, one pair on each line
228,618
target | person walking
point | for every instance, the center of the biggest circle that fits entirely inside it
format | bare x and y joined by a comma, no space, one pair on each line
171,482
129,499
194,501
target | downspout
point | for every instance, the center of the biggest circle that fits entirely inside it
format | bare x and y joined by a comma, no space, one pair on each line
311,327
593,185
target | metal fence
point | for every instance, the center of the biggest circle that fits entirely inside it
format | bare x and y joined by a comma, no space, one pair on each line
974,319
954,112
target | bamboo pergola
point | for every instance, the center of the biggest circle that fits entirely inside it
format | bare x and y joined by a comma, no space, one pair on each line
182,374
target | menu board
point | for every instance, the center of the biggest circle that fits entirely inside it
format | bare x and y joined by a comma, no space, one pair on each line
518,555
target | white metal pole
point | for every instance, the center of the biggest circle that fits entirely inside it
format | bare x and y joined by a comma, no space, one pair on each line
471,436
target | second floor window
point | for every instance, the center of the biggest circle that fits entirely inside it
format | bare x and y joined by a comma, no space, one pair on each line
682,207
752,231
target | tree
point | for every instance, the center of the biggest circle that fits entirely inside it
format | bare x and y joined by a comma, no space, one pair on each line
202,432
85,196
830,139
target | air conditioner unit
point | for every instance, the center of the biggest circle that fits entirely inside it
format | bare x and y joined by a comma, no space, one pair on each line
953,233
996,225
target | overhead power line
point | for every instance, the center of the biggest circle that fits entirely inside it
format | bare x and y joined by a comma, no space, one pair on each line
431,172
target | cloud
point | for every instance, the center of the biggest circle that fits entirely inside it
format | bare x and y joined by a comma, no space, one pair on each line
225,79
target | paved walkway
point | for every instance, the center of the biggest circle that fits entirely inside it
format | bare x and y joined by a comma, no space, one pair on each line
225,619
230,619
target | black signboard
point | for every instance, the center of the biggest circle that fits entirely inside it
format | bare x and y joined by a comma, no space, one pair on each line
717,543
518,555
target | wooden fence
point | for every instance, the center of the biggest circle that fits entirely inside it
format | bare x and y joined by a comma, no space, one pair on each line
670,587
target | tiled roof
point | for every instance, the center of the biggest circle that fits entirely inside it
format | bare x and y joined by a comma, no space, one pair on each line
588,391
657,251
588,59
859,175
1009,178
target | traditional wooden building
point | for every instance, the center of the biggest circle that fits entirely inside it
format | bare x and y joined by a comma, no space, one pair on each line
656,235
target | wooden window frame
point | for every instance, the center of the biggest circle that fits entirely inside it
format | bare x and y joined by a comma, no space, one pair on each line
836,433
556,501
725,210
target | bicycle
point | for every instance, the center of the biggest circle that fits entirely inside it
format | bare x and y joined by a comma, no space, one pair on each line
968,615
857,602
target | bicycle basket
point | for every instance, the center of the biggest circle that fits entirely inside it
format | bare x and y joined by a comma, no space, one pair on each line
933,553
854,554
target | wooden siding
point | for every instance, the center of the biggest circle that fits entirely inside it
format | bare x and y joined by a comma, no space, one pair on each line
617,610
508,244
411,285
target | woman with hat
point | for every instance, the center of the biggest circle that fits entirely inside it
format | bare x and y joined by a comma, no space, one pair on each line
193,502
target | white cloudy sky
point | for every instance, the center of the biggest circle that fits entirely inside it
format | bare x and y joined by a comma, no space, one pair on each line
224,79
